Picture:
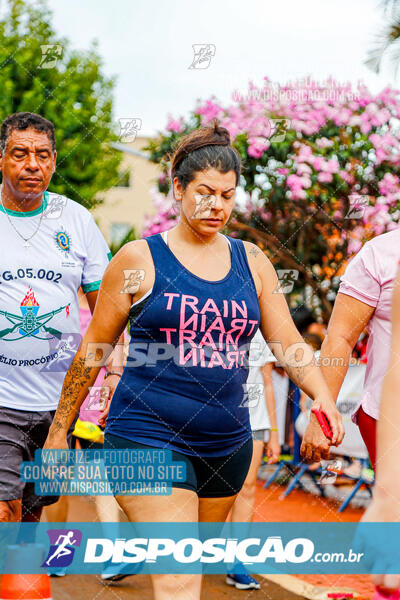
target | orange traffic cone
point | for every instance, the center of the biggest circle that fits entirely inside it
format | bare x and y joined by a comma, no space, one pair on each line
18,586
26,587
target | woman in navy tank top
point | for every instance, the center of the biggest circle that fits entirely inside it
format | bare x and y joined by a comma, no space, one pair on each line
194,299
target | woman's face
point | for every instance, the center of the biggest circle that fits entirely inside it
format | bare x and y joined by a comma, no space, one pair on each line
207,202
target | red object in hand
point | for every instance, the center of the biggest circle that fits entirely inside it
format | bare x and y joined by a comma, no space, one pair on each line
383,594
324,422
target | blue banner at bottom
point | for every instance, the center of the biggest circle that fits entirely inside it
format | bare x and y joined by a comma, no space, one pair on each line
209,548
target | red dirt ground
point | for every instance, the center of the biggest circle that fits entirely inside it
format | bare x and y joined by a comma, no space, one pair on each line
301,506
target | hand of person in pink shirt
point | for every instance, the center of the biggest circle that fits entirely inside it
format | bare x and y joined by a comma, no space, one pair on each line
315,445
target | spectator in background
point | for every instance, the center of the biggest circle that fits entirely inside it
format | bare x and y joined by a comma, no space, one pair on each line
315,341
385,506
261,404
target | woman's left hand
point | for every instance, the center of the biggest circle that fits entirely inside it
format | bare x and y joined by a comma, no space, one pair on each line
328,406
315,446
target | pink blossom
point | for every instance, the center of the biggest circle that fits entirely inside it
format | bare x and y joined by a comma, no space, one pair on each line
389,184
297,194
318,163
365,127
354,246
308,107
347,177
371,108
380,155
175,125
209,111
306,181
355,121
257,147
324,142
332,165
302,168
294,182
325,177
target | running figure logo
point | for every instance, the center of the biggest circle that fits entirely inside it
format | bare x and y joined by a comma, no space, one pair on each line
54,207
204,204
357,206
287,279
133,279
50,55
129,128
253,393
28,324
203,54
62,547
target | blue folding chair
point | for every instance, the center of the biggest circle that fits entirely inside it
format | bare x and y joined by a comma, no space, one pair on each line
360,481
293,464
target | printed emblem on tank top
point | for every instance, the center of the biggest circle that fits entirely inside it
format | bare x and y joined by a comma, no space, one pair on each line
209,326
208,335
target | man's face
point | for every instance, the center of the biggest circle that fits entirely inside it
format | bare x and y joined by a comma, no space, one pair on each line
28,163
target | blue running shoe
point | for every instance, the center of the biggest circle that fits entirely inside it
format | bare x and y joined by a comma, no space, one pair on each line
56,572
117,571
241,579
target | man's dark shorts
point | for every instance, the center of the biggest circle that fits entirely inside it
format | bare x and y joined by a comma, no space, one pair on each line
21,433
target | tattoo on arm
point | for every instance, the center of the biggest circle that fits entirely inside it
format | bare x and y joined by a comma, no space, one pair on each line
300,360
76,378
296,374
254,251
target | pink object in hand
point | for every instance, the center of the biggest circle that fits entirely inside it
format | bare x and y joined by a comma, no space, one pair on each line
380,594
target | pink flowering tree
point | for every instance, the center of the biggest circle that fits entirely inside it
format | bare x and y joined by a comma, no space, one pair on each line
320,177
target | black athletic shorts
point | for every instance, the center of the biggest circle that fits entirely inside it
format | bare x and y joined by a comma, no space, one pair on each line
208,477
21,433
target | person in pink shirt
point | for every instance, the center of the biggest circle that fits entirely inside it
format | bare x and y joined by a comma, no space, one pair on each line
364,301
385,505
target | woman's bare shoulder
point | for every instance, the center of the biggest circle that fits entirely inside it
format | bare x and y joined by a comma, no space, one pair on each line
136,253
256,259
132,269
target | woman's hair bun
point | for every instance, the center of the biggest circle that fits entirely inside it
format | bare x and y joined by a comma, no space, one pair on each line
221,133
204,147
